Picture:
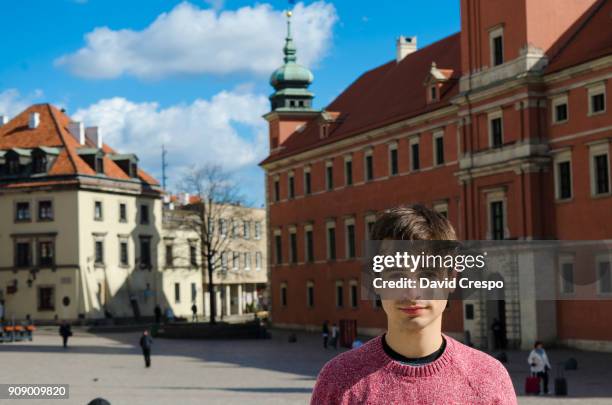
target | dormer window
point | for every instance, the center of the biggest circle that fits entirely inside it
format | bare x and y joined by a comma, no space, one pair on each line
94,158
127,162
12,165
434,82
39,164
433,95
99,165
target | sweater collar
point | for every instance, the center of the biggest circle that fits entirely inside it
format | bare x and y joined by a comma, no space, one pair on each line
407,370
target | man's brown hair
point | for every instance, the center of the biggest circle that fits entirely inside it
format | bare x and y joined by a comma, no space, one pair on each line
412,222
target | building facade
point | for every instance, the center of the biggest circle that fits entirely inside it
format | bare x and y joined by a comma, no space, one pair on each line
504,127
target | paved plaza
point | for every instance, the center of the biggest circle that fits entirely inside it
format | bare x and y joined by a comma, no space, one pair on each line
224,372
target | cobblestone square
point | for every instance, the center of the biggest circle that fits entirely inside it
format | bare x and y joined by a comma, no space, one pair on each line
224,372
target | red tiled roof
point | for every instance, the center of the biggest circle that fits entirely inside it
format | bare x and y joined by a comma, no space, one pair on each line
52,131
387,94
588,38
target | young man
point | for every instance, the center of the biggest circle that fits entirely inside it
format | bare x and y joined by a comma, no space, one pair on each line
145,343
413,363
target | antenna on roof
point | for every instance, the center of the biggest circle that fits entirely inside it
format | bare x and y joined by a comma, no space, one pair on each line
164,166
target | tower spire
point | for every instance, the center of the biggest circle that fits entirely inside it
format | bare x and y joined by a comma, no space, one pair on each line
289,48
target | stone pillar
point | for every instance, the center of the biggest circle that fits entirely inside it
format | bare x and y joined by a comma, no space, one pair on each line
228,299
240,300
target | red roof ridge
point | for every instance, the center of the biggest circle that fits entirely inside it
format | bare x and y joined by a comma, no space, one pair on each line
61,135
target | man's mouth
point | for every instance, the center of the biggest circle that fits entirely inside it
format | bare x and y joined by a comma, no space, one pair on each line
412,309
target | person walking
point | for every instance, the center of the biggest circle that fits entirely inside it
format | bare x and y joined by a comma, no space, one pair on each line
65,332
325,334
539,364
498,335
334,336
158,313
194,311
145,343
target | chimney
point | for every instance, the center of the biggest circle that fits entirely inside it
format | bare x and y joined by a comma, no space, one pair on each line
405,46
184,198
34,120
78,131
94,135
3,120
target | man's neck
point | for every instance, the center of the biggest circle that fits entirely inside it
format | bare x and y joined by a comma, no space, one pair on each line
414,344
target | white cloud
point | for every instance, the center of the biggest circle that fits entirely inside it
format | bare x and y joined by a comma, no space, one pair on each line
12,102
215,4
193,40
227,129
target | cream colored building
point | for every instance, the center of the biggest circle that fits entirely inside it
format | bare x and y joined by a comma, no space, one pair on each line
240,274
80,226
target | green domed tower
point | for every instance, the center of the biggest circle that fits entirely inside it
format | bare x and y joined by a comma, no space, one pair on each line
291,80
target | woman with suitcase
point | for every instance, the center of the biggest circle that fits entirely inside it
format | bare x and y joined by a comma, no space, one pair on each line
538,360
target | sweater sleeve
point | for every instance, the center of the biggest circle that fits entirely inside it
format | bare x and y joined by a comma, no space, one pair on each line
326,390
507,395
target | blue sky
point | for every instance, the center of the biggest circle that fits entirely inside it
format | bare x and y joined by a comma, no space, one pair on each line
148,78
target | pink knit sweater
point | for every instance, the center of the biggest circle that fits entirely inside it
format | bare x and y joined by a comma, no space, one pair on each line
461,376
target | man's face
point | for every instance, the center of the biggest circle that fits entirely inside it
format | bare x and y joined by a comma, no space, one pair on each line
412,315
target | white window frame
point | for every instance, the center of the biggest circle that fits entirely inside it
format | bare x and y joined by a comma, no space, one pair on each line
490,117
309,284
494,33
347,222
555,102
393,147
328,186
235,261
351,284
594,90
436,135
258,260
275,181
562,157
348,158
339,283
290,177
292,254
566,259
369,152
247,261
369,219
415,140
596,149
497,195
257,230
307,169
279,233
328,225
308,228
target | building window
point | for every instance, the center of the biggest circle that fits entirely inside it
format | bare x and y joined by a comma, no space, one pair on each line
331,241
433,93
122,212
283,294
169,255
293,246
39,164
415,158
23,254
193,255
257,230
124,259
497,46
14,167
46,299
348,171
369,166
567,276
597,99
234,229
307,181
291,185
224,259
145,252
560,110
99,165
276,190
439,148
22,211
339,294
98,210
177,292
310,294
99,252
600,169
497,220
563,176
223,227
235,261
369,225
604,276
194,292
246,229
258,261
393,160
308,239
247,260
354,297
496,137
45,254
144,214
441,208
45,210
469,311
350,240
329,176
278,247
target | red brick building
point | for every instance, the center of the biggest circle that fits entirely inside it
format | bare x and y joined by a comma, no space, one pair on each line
505,127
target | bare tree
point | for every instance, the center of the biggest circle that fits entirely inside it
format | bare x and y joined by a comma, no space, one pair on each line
215,202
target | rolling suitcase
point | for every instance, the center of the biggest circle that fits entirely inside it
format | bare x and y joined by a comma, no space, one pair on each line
532,385
560,383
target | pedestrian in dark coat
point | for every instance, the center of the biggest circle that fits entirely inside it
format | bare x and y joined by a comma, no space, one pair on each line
158,314
145,343
325,334
65,332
